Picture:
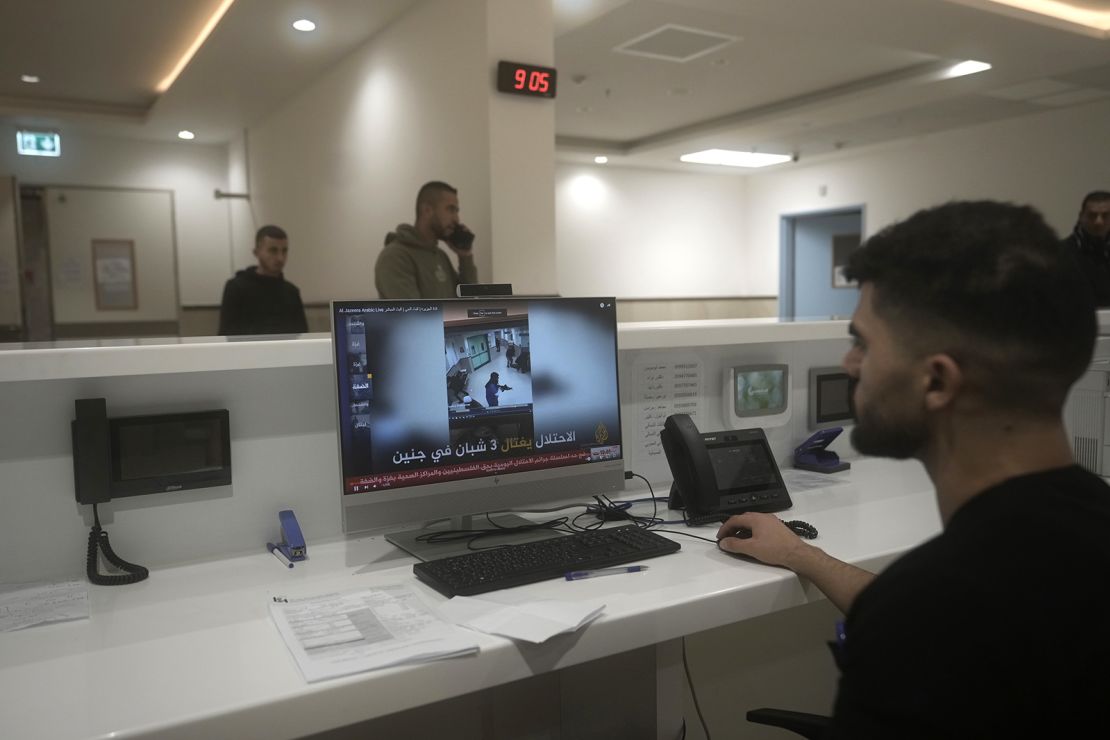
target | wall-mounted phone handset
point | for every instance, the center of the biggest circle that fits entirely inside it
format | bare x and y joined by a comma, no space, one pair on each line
92,468
719,474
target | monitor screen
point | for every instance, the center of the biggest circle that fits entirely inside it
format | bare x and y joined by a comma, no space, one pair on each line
830,397
461,406
759,390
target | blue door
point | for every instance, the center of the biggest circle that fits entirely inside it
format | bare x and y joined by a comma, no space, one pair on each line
814,248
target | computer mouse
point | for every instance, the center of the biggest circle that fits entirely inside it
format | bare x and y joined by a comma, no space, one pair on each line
741,533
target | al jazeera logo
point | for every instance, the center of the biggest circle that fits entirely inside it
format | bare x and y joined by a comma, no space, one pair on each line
601,434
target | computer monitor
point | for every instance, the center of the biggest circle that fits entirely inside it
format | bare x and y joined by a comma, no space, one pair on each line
463,406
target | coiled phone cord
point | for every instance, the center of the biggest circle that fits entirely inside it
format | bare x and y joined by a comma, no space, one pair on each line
98,540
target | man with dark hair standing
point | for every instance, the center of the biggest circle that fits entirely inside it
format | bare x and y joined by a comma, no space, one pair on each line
259,300
412,265
1091,241
972,325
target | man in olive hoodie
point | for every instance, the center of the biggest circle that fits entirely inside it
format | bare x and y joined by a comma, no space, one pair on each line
412,265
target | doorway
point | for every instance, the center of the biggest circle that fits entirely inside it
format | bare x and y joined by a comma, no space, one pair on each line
814,249
34,246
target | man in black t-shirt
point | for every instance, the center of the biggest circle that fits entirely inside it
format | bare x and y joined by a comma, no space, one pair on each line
259,300
972,325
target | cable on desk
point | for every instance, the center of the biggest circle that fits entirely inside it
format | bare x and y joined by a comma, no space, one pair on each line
598,513
473,536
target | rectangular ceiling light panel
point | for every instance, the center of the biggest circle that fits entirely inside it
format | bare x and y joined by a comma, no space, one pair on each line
675,43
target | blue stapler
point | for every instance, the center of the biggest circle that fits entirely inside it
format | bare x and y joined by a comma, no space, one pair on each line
813,454
292,541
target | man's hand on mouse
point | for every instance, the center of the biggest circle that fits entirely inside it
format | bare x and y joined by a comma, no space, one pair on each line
771,541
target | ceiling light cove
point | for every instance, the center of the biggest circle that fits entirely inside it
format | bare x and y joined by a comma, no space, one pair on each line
197,42
304,24
1090,14
729,158
969,67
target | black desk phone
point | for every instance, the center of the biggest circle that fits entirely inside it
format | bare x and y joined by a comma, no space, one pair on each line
718,474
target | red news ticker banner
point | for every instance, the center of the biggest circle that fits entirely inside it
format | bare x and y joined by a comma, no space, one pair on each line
402,478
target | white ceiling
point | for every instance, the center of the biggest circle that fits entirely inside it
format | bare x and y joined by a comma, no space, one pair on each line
806,77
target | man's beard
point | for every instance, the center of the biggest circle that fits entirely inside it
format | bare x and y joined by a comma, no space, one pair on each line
882,431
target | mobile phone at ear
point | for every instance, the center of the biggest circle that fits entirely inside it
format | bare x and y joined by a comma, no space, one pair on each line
461,238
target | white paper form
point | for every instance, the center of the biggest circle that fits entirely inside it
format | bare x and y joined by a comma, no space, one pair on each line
532,621
28,604
342,633
665,388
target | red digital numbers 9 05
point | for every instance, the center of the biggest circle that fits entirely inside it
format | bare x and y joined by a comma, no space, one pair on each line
526,79
535,81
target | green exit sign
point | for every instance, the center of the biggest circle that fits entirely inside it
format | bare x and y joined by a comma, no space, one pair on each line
38,143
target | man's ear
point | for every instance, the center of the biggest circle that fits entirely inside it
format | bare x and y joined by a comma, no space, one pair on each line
944,381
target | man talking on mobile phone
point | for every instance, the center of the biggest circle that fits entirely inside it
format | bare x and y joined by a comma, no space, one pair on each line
412,265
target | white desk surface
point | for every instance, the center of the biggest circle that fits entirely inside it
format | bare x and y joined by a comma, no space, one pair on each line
192,651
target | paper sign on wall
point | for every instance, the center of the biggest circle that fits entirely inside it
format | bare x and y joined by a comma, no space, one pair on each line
666,388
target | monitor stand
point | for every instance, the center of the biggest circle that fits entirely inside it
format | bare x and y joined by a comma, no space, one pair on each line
408,541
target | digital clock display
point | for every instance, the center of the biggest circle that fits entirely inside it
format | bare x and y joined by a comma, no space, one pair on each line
526,79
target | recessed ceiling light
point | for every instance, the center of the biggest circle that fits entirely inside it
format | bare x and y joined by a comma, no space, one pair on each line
30,79
969,67
601,159
304,24
186,135
730,158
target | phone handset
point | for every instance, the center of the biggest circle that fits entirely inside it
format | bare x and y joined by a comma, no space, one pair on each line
694,487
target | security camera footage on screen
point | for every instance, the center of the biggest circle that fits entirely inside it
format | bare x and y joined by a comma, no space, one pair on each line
434,391
760,391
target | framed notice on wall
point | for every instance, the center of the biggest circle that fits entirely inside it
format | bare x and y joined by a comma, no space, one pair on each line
114,274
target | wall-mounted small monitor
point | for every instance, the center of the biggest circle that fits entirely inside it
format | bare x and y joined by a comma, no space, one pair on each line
757,393
830,398
135,455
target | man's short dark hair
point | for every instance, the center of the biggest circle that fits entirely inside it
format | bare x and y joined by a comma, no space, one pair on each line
274,232
430,192
988,284
1095,196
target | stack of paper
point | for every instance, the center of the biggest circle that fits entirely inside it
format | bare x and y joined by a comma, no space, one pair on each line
342,633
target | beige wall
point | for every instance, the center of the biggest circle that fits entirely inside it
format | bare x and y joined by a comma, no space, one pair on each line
191,171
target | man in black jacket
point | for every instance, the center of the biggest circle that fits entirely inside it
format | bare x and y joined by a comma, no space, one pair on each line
259,300
1091,242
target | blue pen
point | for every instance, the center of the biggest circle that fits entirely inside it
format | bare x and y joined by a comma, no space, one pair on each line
577,575
279,554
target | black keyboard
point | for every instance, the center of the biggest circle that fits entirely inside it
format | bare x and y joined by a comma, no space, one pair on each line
490,570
